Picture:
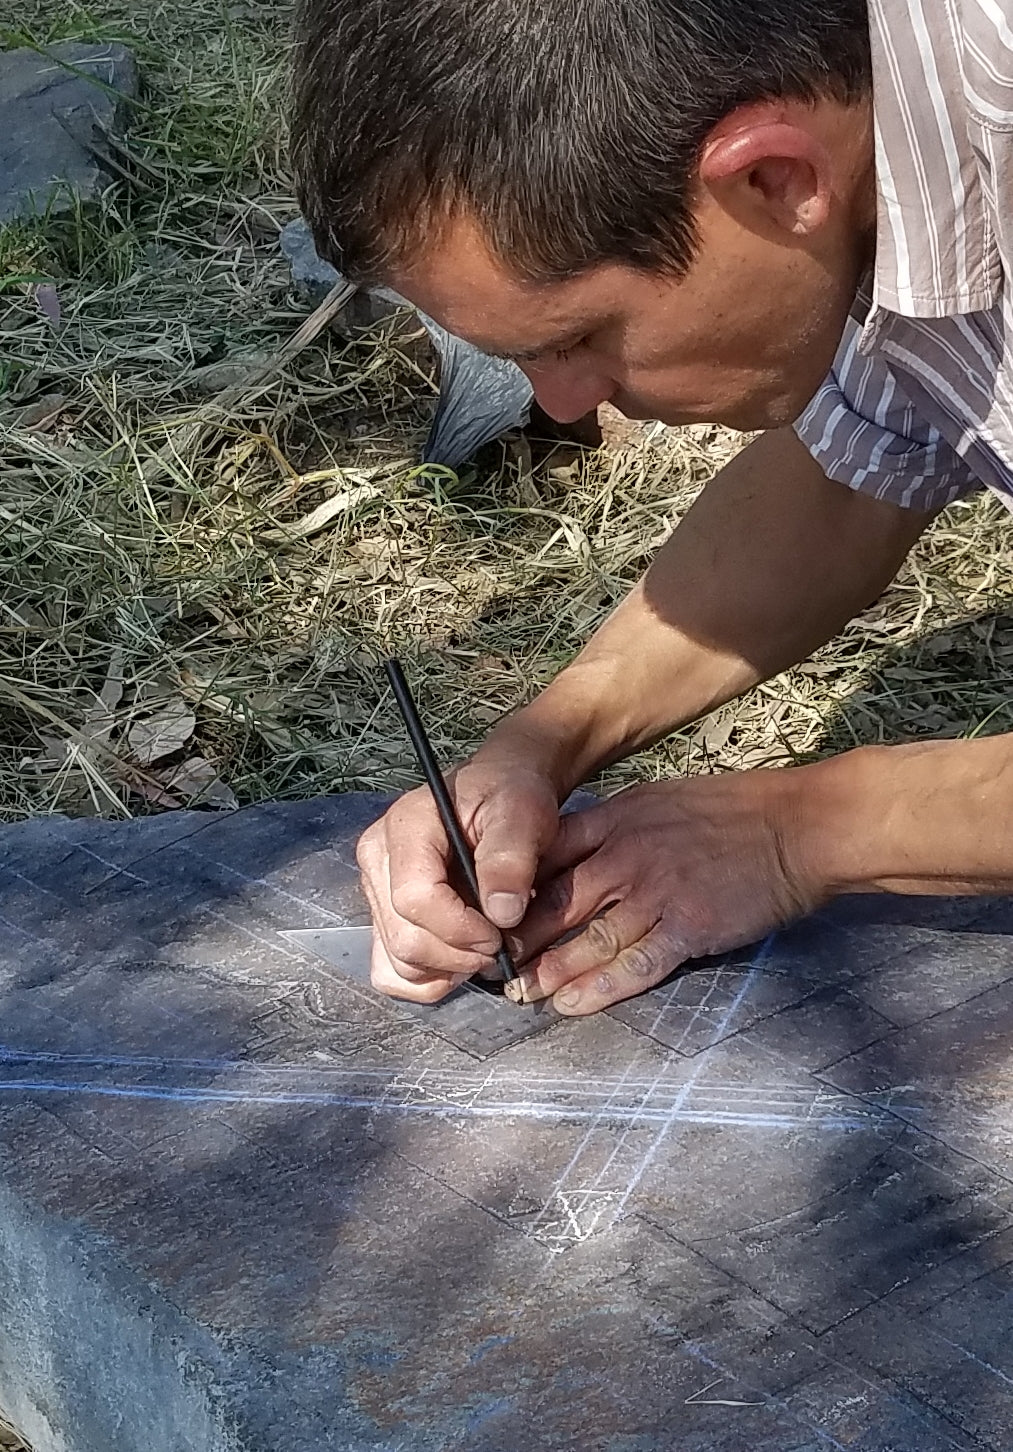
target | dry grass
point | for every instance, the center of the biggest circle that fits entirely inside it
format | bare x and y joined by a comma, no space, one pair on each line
162,587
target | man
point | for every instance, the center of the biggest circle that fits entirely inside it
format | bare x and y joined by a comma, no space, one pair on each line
787,215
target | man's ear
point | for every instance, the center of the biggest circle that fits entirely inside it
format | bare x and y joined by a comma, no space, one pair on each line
769,172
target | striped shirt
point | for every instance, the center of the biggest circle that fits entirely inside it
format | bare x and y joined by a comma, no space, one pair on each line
918,408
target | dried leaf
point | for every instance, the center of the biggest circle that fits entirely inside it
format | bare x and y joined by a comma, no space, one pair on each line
112,691
321,517
57,749
714,731
197,781
155,795
229,373
100,719
42,413
162,733
97,724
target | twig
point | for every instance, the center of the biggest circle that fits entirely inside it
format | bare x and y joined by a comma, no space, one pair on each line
216,409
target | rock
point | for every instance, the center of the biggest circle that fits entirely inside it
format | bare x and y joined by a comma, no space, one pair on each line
247,1205
52,119
313,279
480,397
312,276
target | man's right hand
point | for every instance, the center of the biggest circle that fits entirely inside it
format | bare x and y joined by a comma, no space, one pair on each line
426,938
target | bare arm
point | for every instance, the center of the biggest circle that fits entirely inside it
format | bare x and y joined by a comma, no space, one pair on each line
770,562
933,816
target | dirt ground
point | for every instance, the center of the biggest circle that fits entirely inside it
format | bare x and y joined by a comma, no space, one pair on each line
196,596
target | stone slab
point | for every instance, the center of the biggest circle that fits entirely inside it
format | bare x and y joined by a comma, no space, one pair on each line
246,1203
56,108
476,1017
950,1075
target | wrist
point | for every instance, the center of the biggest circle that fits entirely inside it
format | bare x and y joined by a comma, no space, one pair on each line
551,743
898,819
833,815
579,723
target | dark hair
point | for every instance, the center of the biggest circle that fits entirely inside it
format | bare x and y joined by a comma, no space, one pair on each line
569,129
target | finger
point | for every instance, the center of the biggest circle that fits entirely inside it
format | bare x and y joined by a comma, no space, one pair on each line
596,948
637,968
405,867
513,831
394,978
578,836
419,954
568,902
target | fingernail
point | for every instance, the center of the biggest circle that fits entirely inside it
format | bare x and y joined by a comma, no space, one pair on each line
569,998
524,988
488,946
506,908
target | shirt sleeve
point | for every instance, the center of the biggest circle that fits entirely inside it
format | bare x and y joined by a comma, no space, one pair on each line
864,432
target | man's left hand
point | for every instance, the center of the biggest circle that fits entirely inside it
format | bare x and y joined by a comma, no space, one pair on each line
660,874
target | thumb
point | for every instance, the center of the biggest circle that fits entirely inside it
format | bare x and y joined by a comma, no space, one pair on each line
514,829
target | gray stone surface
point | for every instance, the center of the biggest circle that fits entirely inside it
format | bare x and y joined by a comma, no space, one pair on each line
476,1017
56,109
246,1204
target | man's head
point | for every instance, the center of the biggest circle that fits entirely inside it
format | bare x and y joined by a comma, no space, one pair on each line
665,203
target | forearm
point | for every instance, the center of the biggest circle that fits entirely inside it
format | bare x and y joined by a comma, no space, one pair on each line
771,561
931,817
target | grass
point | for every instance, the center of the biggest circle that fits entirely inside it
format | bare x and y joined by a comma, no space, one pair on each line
170,592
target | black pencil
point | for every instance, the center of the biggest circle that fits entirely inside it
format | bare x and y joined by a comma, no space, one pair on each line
437,785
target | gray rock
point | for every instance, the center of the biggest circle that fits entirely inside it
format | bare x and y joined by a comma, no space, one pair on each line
312,276
54,109
480,397
248,1204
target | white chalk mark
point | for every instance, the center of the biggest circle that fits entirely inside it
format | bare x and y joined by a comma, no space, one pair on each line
700,1065
97,857
439,1108
978,1361
584,1180
700,1398
669,998
271,887
557,1194
770,1400
561,1193
676,1048
700,1009
461,1093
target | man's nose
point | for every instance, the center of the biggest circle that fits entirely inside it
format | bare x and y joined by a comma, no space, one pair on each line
567,393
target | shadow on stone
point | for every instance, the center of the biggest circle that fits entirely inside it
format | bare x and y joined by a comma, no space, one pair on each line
249,1204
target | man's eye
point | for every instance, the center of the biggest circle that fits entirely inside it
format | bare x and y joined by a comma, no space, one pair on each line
564,353
542,355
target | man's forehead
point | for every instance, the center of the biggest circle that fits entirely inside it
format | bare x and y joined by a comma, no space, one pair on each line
467,289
